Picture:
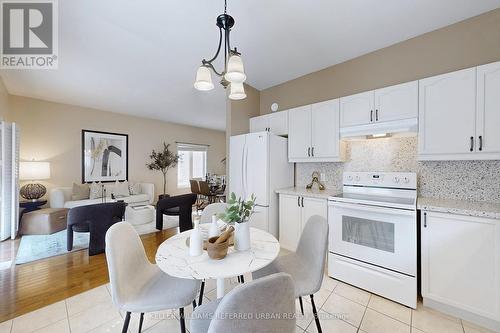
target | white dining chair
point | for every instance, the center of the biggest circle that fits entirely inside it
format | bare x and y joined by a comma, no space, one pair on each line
265,305
206,217
137,285
215,208
307,265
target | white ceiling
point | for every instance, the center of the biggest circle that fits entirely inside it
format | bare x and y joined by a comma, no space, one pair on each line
140,57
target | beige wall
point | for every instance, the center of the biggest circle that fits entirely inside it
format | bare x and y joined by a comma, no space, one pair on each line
52,132
4,98
465,44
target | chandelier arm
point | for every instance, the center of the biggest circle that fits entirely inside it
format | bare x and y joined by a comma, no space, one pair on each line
209,65
218,49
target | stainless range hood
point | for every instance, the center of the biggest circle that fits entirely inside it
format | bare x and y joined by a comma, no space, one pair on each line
395,128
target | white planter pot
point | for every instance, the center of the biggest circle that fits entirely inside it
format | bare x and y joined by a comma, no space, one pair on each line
242,236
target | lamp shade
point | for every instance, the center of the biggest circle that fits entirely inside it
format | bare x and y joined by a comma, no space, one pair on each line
34,170
237,91
203,79
235,72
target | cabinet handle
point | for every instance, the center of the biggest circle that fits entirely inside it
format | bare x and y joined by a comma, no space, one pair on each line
298,201
480,143
376,115
425,220
371,116
309,151
302,202
471,143
312,151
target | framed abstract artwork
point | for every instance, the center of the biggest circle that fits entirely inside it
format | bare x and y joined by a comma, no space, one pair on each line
104,156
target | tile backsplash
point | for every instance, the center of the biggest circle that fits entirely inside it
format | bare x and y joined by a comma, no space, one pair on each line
460,180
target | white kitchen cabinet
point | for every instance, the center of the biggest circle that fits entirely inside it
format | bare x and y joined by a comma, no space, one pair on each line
299,133
447,115
276,123
461,265
313,133
311,207
357,109
325,138
396,102
289,221
488,110
295,211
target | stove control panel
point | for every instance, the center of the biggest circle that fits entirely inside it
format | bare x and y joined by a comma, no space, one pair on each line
407,180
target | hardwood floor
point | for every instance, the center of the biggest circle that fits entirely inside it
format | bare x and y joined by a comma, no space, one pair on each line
30,286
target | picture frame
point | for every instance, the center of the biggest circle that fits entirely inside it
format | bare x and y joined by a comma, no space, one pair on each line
104,156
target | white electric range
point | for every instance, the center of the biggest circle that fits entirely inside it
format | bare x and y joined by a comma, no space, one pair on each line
373,234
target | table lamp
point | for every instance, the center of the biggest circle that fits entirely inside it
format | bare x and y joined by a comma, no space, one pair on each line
33,171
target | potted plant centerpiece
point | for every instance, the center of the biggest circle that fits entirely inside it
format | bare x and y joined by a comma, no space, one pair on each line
238,213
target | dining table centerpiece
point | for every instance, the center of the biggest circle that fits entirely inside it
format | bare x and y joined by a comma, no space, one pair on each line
238,213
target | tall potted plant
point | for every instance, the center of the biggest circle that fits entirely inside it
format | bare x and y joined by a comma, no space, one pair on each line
238,212
163,161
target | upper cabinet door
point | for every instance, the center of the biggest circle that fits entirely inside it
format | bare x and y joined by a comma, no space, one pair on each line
299,133
488,109
357,109
258,124
397,102
447,116
325,130
278,123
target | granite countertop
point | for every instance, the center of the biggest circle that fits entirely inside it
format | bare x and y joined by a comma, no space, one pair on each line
312,193
461,207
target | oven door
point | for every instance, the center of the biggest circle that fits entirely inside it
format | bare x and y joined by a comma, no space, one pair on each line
385,237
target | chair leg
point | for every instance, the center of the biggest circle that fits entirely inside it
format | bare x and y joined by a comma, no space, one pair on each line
202,288
181,319
315,313
241,279
141,320
301,305
126,322
194,304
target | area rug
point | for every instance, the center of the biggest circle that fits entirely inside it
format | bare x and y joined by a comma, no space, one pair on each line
36,247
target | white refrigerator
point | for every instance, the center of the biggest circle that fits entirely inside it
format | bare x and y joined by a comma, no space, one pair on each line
258,164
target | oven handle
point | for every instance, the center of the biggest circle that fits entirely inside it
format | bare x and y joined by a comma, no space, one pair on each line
376,209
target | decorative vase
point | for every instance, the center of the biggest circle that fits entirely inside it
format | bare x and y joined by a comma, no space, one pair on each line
213,231
242,236
196,241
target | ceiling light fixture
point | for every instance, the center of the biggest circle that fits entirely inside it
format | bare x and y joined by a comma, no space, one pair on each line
233,74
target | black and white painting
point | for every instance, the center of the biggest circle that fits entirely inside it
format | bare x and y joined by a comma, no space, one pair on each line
104,156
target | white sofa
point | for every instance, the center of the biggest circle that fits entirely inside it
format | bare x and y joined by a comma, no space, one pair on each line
60,197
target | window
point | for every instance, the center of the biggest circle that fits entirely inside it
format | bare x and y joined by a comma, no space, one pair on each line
192,163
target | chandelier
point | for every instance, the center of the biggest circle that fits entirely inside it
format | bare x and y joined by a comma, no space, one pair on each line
233,74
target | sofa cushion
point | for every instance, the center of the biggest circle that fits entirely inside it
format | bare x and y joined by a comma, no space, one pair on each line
80,191
96,191
78,203
121,189
138,198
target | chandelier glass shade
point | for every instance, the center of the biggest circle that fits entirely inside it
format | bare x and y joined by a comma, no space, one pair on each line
233,73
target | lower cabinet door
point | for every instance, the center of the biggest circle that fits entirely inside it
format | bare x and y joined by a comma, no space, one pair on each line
290,216
313,206
461,262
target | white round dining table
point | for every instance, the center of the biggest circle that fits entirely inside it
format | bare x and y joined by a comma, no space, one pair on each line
173,258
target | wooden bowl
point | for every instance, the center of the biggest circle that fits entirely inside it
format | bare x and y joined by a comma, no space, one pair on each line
217,251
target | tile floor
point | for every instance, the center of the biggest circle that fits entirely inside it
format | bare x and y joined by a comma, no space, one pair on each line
342,308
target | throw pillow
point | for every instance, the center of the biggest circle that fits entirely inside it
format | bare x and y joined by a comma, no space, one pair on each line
96,191
80,192
134,188
121,189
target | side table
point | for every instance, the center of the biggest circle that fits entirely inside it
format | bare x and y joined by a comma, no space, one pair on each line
30,206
